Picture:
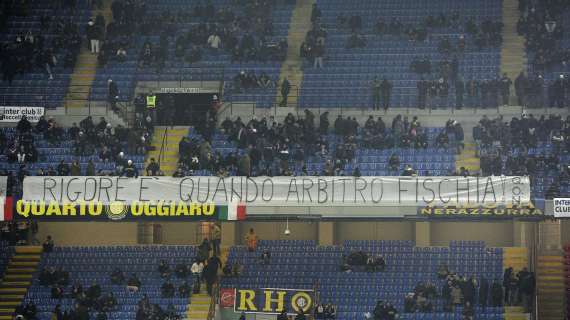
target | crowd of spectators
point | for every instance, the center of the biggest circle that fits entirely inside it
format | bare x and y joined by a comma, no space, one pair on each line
149,311
541,25
515,289
266,147
243,29
57,43
504,147
18,232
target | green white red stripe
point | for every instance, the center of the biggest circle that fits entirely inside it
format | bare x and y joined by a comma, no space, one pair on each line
232,212
5,208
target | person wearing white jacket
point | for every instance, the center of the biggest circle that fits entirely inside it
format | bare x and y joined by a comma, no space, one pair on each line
197,269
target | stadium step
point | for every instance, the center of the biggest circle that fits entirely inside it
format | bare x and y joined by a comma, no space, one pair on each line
468,158
513,55
550,286
18,278
169,154
199,307
300,24
85,69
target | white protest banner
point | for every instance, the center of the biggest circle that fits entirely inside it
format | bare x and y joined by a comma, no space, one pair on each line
15,113
283,191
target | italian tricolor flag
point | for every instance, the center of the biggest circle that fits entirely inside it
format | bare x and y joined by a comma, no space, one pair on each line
233,211
6,208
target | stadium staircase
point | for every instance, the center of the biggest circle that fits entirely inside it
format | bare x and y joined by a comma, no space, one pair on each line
85,67
17,279
550,287
292,66
165,141
513,56
199,304
468,158
517,258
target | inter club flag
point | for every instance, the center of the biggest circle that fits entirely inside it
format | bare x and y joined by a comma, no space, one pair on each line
232,212
6,207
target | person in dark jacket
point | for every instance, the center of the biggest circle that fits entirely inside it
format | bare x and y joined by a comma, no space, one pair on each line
130,170
112,94
386,92
483,292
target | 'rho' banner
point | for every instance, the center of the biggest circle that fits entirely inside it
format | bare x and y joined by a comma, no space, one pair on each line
283,191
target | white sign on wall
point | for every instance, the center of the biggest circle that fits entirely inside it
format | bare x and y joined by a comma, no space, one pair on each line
561,207
15,113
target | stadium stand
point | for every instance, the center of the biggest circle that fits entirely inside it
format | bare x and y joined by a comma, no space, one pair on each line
6,252
543,25
302,264
529,146
410,31
180,50
371,150
40,43
89,265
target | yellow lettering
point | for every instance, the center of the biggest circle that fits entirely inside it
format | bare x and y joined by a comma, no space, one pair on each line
280,300
136,209
438,211
462,211
208,209
246,300
23,208
53,208
426,211
182,209
95,208
82,207
195,209
162,210
149,210
38,209
69,209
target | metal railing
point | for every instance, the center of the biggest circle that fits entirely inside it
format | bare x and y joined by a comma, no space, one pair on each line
213,301
162,145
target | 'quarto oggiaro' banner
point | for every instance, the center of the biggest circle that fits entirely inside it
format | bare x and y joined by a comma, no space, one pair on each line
283,191
123,211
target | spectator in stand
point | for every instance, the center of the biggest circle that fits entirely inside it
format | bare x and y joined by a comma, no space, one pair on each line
521,86
133,284
386,91
197,269
153,168
251,240
48,245
112,94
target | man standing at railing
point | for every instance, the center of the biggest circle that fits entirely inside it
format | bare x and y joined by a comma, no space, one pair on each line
113,94
285,89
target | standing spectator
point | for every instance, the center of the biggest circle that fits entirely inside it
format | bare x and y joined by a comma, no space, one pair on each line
505,89
507,280
521,85
216,239
386,91
285,89
153,168
93,36
251,240
75,168
63,168
112,94
48,245
376,94
459,90
319,53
